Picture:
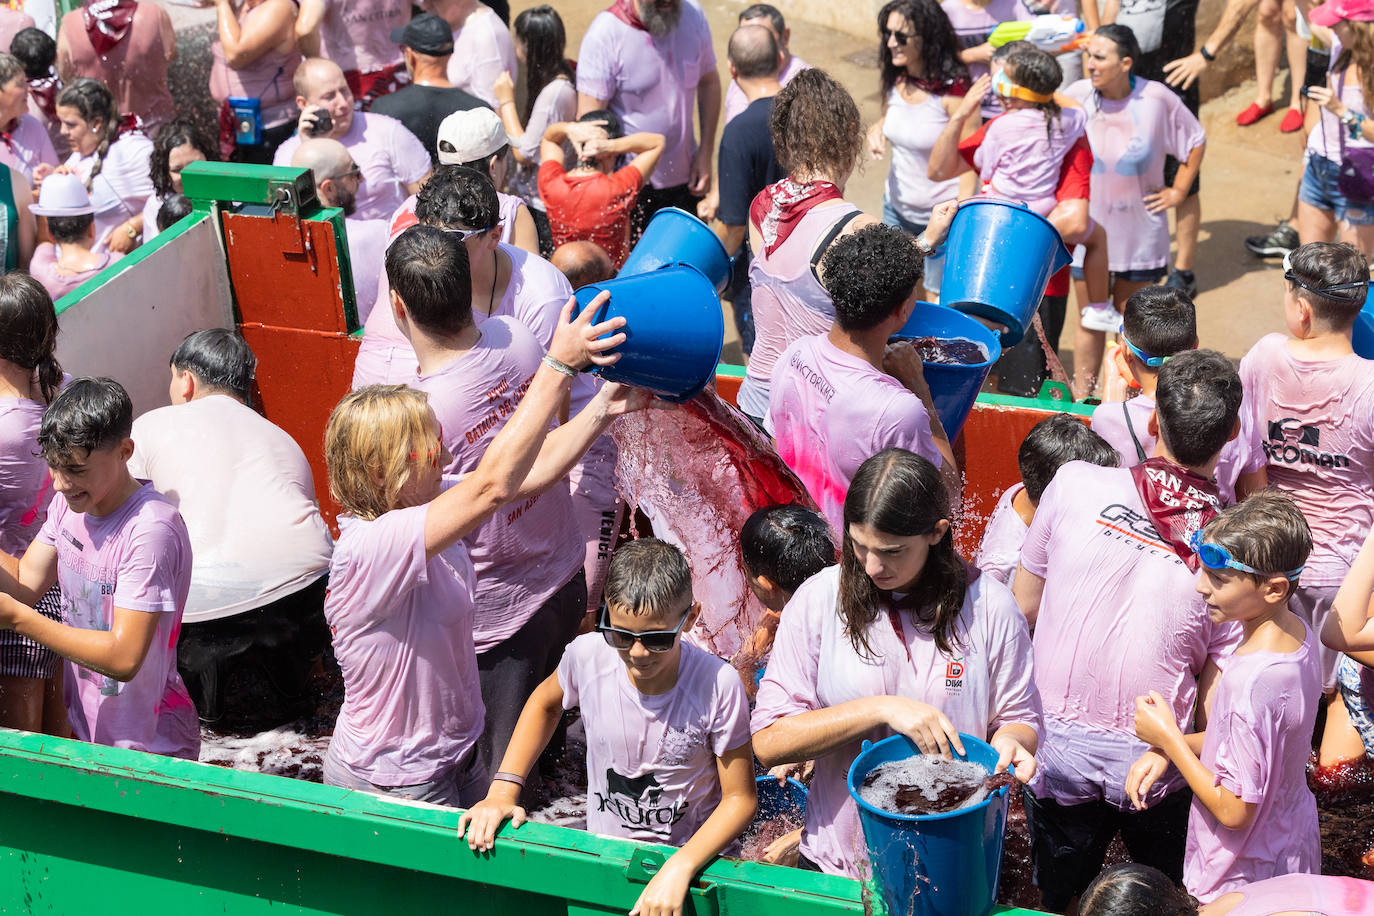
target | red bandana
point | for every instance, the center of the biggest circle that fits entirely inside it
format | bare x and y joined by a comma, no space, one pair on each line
107,22
626,12
129,124
779,207
1178,501
957,88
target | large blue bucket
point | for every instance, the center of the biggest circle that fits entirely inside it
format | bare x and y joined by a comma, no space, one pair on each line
675,236
952,388
998,258
674,330
1363,338
934,864
777,798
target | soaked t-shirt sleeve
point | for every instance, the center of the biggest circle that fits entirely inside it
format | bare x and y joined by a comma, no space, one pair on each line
1011,678
408,155
151,568
597,59
381,562
1242,767
569,667
906,424
1035,552
730,727
1183,132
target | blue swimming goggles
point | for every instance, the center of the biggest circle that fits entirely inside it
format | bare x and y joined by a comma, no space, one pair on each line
1214,556
1154,362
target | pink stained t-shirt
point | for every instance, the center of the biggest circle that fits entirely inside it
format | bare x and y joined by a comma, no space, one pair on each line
367,241
528,549
135,69
986,685
831,411
43,267
27,146
1323,894
25,485
137,558
1130,138
123,185
651,759
1112,587
1241,455
651,83
1000,550
1316,423
356,34
402,627
788,300
390,158
1023,152
735,99
482,51
1259,736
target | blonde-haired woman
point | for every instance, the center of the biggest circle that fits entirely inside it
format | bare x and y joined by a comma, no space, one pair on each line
400,599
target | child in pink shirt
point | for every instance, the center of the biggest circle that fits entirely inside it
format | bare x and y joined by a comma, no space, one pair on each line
122,556
1253,816
668,752
1050,444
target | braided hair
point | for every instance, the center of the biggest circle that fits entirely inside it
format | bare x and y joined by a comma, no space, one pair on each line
95,104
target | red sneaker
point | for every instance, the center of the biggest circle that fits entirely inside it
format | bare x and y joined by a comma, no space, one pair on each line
1292,120
1253,113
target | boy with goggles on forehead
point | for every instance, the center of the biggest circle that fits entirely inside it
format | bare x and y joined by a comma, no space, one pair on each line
669,758
1159,323
1311,399
1253,816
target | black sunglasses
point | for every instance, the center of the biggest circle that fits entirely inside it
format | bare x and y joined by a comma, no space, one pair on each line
902,37
653,640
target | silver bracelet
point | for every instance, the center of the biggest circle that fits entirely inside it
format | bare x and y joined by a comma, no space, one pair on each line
557,365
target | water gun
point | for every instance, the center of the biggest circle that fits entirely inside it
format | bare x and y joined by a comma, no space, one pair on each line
1048,32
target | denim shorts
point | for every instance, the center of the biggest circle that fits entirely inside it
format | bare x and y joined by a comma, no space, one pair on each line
1319,189
1357,683
1149,275
935,266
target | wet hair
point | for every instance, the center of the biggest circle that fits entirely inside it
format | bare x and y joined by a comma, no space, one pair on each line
484,164
175,133
172,211
1053,443
648,576
95,104
1197,401
815,126
220,359
373,435
764,11
935,38
540,29
1127,45
1135,890
1160,321
458,197
1037,71
1008,49
614,128
753,58
10,69
1266,530
69,230
90,414
28,329
869,274
1359,50
788,544
428,268
1318,265
36,50
901,494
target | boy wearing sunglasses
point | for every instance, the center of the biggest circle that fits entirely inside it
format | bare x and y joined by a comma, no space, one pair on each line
1253,816
1159,323
669,758
1312,400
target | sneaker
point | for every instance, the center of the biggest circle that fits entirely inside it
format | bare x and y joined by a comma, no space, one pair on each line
1185,280
1100,318
1280,240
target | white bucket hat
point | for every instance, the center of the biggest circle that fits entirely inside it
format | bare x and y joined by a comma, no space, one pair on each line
63,194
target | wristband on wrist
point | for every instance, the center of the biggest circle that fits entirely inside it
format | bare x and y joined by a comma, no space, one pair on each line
509,777
1206,55
557,365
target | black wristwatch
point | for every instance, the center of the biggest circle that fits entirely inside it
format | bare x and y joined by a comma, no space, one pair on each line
1206,55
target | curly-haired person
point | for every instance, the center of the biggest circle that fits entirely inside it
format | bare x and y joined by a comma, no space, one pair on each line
841,397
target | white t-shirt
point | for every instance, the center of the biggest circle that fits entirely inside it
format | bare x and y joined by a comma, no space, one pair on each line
246,492
123,186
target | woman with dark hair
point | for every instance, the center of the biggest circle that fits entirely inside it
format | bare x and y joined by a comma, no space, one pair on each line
923,80
912,641
551,98
1139,890
30,685
178,143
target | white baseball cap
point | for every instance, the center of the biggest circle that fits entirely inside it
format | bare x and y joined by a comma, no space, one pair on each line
472,134
62,194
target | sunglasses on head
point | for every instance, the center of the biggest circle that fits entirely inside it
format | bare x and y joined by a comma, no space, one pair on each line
1154,362
465,234
653,640
1324,292
1215,557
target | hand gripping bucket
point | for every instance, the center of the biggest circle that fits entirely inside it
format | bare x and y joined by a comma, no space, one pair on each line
935,864
675,236
674,330
953,388
998,257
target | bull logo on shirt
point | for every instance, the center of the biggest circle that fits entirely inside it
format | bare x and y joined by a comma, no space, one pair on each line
1287,441
636,801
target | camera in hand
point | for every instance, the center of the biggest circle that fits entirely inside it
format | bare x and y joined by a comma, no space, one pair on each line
323,124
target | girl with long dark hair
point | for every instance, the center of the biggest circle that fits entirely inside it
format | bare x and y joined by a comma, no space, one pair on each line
176,145
913,642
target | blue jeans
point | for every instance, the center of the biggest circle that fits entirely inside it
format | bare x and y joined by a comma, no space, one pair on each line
934,266
1320,189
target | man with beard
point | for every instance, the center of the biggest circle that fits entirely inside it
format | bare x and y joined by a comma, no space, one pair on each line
648,61
337,178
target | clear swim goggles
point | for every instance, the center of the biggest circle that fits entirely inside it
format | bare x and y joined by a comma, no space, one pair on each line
1214,556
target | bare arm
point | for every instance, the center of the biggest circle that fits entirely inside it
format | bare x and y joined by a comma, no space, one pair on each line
117,652
811,734
587,103
1110,10
945,161
708,112
566,445
413,187
1252,482
28,578
1349,628
242,46
525,235
308,27
1155,724
28,231
1206,690
1029,589
66,70
648,148
1166,198
1184,71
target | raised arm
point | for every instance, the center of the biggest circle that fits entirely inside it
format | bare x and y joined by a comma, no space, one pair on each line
308,27
242,46
1349,628
945,161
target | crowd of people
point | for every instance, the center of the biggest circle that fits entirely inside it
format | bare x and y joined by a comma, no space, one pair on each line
1153,620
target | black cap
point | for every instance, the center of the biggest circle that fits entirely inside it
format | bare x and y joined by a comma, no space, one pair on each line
425,34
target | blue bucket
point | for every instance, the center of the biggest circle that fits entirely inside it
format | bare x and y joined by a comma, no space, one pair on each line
1363,338
777,798
675,236
934,864
952,388
674,330
998,258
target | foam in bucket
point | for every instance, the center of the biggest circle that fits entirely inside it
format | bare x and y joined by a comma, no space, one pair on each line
948,342
924,785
